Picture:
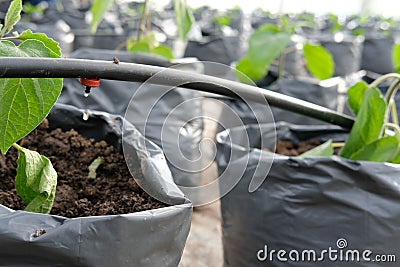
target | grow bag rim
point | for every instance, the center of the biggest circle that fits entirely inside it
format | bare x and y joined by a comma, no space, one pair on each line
151,212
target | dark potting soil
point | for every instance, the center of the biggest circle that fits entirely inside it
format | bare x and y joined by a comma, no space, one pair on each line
288,148
113,191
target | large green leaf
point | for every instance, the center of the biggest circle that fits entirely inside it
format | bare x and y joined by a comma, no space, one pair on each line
48,42
141,47
184,18
24,103
246,69
12,17
355,96
164,51
98,10
265,45
396,57
323,150
381,150
36,181
319,61
149,45
368,124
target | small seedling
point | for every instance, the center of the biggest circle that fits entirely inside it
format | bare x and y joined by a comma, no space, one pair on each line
145,40
270,42
94,166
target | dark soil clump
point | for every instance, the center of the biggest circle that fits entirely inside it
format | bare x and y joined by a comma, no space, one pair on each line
113,191
288,148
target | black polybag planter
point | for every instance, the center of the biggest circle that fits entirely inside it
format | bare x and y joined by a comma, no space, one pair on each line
114,97
149,238
306,204
377,54
326,96
220,49
346,54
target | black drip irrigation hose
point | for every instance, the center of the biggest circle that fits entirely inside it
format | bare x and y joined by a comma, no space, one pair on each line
12,67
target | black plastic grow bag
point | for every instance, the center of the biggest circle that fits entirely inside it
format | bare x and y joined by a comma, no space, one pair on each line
326,96
377,54
149,238
306,205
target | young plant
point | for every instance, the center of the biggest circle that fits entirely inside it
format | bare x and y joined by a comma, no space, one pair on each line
145,41
373,137
269,42
24,103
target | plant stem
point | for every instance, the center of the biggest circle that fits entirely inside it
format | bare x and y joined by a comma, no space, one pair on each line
18,147
10,38
120,46
2,161
282,56
384,78
142,22
395,119
389,97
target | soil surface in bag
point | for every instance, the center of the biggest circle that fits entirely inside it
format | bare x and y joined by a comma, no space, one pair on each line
288,148
113,191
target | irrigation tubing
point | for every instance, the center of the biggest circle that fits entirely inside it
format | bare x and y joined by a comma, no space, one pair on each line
19,67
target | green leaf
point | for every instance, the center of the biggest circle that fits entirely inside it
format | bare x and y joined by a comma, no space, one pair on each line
358,32
24,103
319,61
245,70
368,124
12,17
28,8
98,10
149,45
265,45
164,51
269,27
323,150
396,157
141,47
48,42
381,150
334,19
396,57
36,181
355,96
222,20
184,18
